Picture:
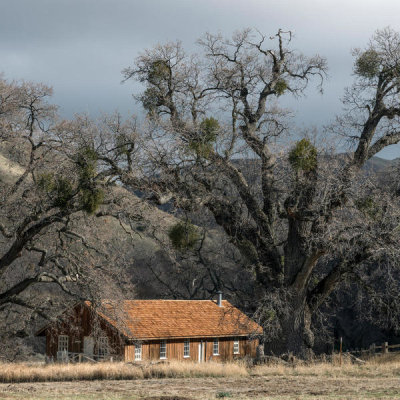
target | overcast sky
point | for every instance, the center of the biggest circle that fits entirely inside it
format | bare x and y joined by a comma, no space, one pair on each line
79,47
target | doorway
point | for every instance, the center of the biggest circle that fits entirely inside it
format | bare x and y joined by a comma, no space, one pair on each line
88,345
202,350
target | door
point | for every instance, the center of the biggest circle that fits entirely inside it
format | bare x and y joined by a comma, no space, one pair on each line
88,346
202,348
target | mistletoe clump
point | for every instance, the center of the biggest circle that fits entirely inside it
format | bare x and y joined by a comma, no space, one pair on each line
58,188
183,236
367,64
202,144
280,87
303,156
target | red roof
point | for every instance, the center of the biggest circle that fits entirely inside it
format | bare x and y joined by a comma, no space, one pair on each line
162,319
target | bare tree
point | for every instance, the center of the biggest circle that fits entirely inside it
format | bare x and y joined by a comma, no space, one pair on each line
52,190
302,205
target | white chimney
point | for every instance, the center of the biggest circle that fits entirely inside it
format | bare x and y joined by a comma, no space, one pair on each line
219,293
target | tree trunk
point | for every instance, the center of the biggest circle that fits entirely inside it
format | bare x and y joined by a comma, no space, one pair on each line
296,336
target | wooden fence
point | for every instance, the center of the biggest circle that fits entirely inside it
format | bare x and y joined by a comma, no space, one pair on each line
373,349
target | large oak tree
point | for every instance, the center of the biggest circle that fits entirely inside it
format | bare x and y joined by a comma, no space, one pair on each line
213,117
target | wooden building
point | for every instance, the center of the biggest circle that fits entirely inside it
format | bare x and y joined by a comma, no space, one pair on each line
144,330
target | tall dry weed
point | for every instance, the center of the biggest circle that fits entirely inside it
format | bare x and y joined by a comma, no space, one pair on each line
381,366
23,372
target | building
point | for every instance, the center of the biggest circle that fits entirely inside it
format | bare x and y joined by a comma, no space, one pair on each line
144,330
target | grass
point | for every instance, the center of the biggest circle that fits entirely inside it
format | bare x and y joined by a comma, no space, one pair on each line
383,366
25,372
387,366
377,378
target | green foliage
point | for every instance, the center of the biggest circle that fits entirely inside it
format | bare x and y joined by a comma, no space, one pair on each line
151,99
91,196
270,315
59,189
368,207
221,395
86,161
203,144
303,156
91,199
45,182
159,71
280,87
183,235
64,192
367,64
209,128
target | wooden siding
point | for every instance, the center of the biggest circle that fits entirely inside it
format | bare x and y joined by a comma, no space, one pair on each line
151,350
77,324
82,322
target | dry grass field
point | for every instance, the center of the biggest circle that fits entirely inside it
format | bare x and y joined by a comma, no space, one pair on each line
376,379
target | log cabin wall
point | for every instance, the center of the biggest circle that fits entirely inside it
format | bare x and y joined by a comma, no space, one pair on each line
151,349
79,323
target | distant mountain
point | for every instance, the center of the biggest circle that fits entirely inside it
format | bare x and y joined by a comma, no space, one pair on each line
377,164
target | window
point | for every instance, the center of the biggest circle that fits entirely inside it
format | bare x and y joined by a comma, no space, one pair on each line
216,348
236,348
63,343
186,348
138,351
163,349
102,348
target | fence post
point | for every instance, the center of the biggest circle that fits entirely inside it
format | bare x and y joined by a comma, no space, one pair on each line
340,351
80,357
385,348
372,349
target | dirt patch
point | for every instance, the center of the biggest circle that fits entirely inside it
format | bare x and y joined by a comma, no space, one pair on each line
240,388
167,398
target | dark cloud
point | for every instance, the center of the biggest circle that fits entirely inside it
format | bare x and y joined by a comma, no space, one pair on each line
80,46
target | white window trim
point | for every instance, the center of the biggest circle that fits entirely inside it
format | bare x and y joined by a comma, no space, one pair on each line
103,346
138,352
188,342
67,342
165,343
216,342
236,341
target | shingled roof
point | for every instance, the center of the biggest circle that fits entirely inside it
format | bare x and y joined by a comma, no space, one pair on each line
167,319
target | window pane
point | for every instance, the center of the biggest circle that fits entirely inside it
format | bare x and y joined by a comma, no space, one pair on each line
138,351
186,348
216,347
103,346
63,343
236,346
163,349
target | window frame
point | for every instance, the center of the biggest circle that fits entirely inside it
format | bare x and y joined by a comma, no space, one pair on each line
138,351
103,346
236,342
186,348
163,343
216,347
64,342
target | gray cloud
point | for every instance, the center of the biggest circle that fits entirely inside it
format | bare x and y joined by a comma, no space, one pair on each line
80,46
